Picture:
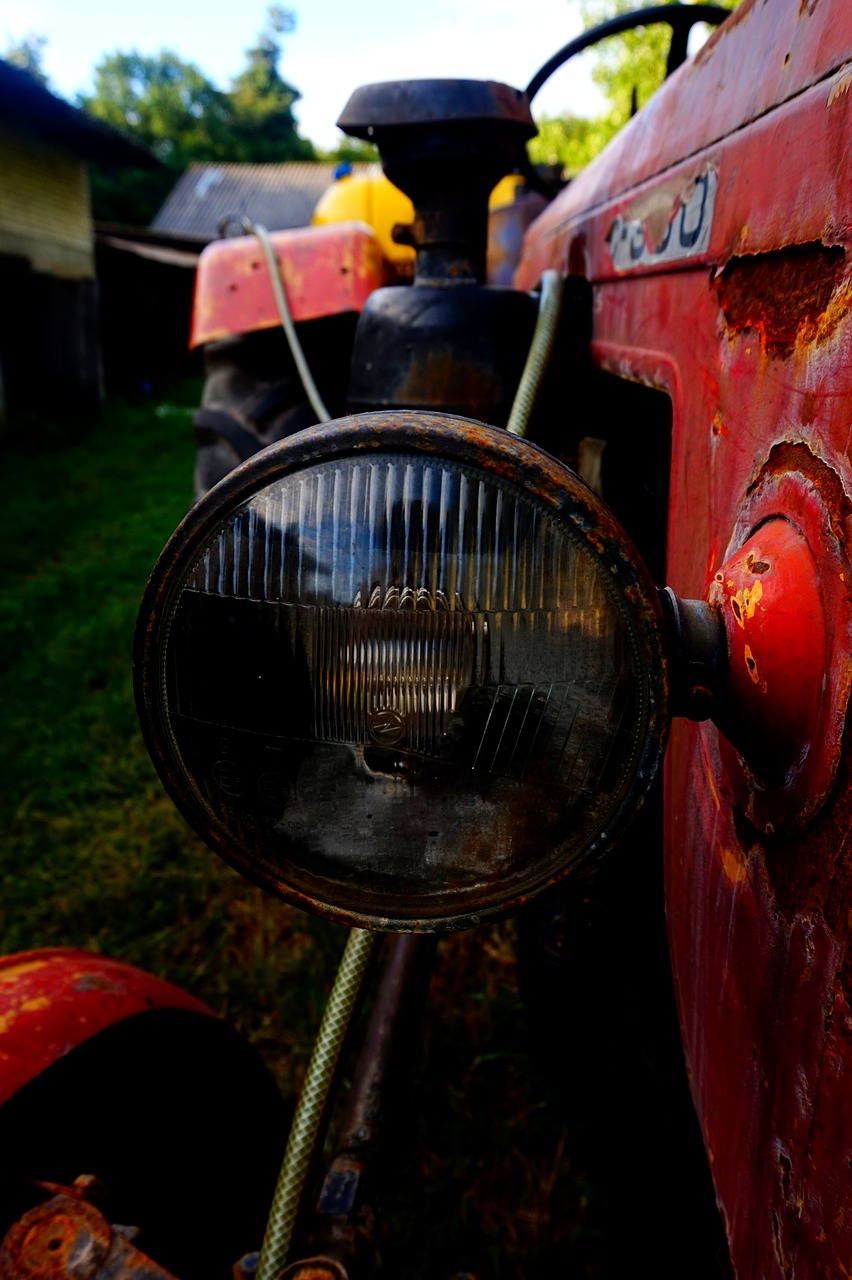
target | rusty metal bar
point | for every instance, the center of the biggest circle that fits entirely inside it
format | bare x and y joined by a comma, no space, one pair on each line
347,1218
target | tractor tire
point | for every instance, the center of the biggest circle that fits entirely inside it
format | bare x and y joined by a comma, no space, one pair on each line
244,408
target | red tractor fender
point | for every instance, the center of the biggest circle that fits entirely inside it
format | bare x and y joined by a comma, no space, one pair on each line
108,1071
53,1000
326,271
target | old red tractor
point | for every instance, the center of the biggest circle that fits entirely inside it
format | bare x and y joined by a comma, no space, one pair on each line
530,597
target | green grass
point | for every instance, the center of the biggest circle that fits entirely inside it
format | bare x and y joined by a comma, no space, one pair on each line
93,854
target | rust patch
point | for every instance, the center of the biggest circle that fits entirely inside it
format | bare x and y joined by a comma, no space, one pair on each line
734,869
783,295
797,456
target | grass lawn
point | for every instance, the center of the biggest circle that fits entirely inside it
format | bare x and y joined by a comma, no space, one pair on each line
93,853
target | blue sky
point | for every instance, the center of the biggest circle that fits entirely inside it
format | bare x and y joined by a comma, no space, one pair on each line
336,45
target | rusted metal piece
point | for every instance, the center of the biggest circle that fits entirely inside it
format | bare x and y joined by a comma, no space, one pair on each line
783,596
698,655
783,296
326,271
758,365
346,1215
319,1268
506,227
54,999
402,104
68,1239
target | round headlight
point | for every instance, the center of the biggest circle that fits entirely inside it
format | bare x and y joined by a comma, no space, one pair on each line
404,670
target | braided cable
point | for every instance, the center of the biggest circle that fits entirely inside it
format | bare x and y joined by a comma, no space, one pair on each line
305,1133
284,312
541,349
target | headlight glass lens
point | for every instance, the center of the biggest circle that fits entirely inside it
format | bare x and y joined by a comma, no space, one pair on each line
401,688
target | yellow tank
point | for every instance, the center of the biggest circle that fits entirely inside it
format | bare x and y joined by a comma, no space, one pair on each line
370,197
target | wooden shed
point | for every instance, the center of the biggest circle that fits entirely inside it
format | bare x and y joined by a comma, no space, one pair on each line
49,344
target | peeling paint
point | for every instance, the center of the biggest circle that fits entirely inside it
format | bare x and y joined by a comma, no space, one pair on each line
744,603
840,87
731,865
14,972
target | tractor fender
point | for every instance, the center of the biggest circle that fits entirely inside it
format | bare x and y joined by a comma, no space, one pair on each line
327,270
53,1000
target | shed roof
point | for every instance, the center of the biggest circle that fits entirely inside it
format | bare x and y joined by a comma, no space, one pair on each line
210,196
30,108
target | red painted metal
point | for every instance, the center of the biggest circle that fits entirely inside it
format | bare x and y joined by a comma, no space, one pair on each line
53,1000
783,620
326,270
749,332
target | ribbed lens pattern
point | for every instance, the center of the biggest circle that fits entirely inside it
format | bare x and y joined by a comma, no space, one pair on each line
409,586
390,676
396,534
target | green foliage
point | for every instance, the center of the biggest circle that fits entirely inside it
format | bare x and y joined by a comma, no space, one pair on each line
165,103
629,69
171,107
28,54
130,196
263,127
353,150
93,852
570,142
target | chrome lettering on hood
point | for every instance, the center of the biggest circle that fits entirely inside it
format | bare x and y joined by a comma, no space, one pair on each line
641,240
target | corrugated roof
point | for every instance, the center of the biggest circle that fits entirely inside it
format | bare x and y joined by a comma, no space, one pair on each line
32,109
210,199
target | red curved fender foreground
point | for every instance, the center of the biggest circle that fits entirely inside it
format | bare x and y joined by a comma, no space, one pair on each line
717,234
326,270
53,1000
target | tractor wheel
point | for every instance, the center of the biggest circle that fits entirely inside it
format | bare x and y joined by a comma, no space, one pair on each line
253,395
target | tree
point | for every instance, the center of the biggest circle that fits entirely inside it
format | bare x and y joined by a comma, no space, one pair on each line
28,54
264,128
629,70
171,107
352,151
568,142
631,67
167,104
